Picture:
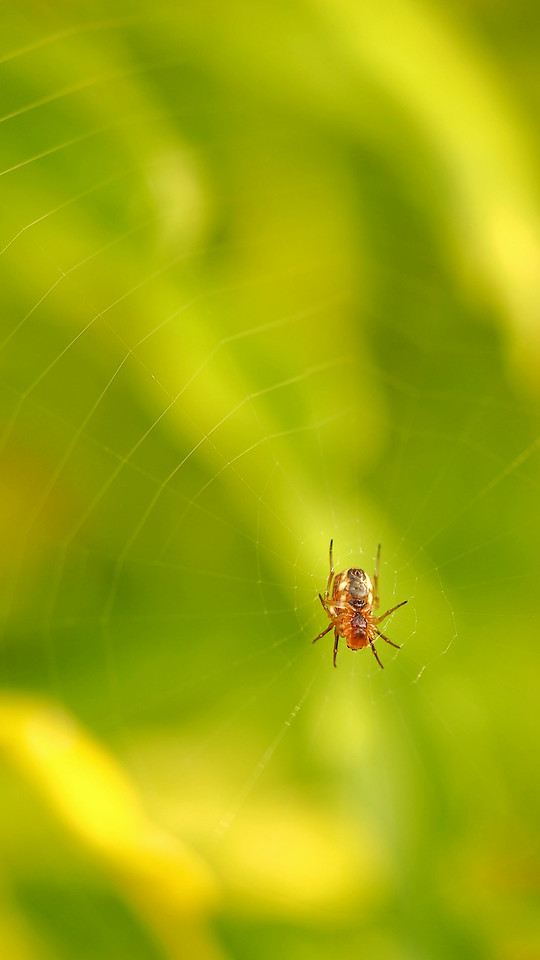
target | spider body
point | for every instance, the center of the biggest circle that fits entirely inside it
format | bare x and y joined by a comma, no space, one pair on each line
350,599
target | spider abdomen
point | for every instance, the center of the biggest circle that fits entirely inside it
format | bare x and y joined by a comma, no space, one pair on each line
353,586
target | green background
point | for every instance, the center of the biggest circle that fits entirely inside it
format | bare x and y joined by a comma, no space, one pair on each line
270,275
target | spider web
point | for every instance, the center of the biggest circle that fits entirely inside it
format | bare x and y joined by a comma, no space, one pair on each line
210,368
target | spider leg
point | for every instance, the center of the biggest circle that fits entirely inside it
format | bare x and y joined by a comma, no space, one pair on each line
375,654
388,612
392,644
325,608
331,574
335,646
335,606
323,633
376,580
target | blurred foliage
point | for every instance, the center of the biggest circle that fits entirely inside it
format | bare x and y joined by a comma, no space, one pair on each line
271,275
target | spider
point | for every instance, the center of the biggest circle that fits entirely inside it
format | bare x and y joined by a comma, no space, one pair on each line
350,608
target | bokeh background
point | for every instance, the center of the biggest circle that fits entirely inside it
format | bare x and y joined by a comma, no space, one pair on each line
270,275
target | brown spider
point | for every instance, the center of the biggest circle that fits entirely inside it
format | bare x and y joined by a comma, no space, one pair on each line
351,605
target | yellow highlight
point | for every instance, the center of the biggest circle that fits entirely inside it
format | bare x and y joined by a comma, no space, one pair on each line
94,799
468,114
